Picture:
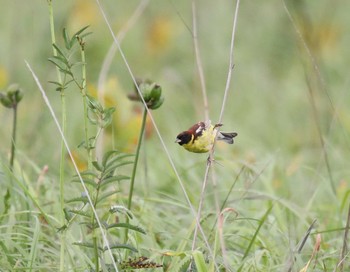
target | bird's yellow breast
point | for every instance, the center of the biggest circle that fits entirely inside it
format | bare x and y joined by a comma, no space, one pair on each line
203,143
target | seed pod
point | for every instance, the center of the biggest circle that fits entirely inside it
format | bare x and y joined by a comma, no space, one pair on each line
156,92
5,101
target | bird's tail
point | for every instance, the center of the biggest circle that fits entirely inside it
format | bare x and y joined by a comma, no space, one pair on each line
226,137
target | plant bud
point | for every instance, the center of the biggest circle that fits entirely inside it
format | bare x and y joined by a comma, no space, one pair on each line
5,101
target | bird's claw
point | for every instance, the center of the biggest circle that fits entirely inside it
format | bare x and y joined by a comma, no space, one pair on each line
210,160
217,125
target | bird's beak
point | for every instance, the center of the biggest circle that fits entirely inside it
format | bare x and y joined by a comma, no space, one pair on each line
177,140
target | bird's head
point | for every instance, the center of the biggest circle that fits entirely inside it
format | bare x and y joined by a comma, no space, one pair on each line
183,138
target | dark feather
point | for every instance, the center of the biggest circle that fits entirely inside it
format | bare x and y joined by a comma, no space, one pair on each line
227,137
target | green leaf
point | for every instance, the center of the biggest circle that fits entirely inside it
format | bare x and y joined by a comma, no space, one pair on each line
66,39
111,179
118,158
262,221
94,104
57,63
59,51
65,71
62,59
120,209
110,169
80,212
183,264
97,166
107,155
126,226
87,181
82,199
67,214
106,195
56,83
87,173
80,31
199,261
120,246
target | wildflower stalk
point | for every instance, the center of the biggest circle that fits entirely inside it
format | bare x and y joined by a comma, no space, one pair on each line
63,125
10,99
133,174
83,92
13,142
152,96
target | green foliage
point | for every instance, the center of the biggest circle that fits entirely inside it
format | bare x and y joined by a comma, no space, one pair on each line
100,180
97,114
64,60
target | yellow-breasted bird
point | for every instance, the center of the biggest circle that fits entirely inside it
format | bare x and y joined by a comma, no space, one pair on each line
200,137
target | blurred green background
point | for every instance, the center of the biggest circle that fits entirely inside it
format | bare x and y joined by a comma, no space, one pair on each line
289,90
269,104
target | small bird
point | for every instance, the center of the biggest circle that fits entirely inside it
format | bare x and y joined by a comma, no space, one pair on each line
200,137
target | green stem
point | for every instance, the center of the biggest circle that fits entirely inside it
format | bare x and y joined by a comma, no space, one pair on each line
53,38
83,91
136,158
133,175
14,130
63,149
94,237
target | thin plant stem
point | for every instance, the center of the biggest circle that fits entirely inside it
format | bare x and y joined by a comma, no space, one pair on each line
94,237
13,143
88,146
83,92
199,62
133,174
63,124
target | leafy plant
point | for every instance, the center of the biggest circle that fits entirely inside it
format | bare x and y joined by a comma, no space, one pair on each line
99,181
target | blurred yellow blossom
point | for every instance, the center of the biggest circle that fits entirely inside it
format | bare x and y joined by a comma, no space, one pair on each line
3,77
159,34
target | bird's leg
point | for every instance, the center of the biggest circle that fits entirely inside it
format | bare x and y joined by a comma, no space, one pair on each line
210,160
217,125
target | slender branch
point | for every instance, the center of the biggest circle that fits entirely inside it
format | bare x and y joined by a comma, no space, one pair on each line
199,62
